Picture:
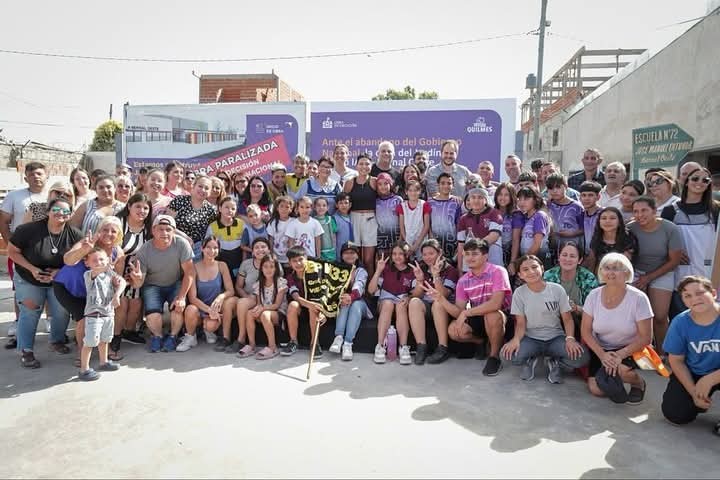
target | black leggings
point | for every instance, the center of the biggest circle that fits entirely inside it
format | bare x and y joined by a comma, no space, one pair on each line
677,404
74,305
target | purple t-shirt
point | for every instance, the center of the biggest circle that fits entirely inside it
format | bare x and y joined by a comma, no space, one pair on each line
566,218
388,232
538,223
589,222
444,218
510,222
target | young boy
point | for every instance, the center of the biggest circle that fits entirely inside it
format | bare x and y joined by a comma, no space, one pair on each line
481,222
344,232
541,311
567,214
445,211
299,307
589,198
294,180
104,288
254,228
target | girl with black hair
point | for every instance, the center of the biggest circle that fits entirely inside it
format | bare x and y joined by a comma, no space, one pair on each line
610,235
271,306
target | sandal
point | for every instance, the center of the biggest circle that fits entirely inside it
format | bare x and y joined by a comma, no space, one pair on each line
246,351
267,353
636,395
59,348
115,356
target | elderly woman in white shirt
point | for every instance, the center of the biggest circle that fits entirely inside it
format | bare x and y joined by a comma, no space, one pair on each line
617,322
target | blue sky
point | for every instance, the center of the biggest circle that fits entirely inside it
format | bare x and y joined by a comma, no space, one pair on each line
77,93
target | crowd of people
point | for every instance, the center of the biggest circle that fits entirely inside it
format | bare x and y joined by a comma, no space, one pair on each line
584,271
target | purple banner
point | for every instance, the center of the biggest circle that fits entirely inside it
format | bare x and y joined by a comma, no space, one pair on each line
479,133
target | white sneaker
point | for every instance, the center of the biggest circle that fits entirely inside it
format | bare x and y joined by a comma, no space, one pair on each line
210,337
337,344
188,342
12,329
347,353
379,356
405,358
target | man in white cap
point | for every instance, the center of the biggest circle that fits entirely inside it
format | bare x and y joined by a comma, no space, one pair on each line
163,268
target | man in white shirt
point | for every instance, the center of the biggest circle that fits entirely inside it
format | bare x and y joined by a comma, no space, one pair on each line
12,212
615,175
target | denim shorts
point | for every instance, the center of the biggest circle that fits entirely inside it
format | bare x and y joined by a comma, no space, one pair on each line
155,297
98,329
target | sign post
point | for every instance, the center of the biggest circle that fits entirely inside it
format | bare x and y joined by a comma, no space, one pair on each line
661,146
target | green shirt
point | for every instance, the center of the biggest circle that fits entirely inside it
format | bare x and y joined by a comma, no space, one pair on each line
578,290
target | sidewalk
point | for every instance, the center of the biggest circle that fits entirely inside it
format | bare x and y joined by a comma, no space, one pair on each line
207,414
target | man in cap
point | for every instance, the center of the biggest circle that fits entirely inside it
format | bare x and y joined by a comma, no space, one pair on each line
163,268
277,186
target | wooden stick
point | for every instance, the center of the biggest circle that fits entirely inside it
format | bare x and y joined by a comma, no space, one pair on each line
320,320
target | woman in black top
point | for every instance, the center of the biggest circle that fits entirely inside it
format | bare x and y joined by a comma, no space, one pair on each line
610,235
37,248
363,193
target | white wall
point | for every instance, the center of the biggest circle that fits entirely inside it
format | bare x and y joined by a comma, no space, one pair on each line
680,84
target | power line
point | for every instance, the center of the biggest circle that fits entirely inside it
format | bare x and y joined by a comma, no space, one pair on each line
31,104
259,59
44,124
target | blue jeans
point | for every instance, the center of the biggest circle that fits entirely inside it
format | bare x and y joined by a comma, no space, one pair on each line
554,348
349,318
154,297
28,317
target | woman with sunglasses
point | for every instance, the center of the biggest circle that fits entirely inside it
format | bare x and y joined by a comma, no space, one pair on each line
39,210
256,193
37,249
661,185
188,180
696,216
238,184
124,188
226,181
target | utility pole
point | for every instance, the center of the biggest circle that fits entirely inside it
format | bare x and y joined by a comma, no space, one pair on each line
538,90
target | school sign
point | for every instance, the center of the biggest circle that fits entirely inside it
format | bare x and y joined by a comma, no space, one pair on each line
661,146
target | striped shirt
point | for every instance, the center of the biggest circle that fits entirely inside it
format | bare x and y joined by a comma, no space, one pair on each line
478,289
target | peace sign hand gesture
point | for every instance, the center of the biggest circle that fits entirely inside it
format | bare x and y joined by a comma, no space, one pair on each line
419,274
436,267
88,243
381,262
136,274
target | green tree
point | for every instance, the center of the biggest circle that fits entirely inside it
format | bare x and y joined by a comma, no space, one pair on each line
104,138
408,93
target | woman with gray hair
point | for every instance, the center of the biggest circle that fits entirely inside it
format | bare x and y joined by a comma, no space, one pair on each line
616,322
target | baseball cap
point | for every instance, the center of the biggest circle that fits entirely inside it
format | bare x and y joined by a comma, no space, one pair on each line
612,386
350,246
164,220
278,166
479,191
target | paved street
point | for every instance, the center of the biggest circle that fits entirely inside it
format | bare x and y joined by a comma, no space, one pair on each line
204,414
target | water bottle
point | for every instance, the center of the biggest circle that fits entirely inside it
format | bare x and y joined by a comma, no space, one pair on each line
391,344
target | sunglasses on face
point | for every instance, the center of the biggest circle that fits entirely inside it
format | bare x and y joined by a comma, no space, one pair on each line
256,185
655,183
705,180
64,211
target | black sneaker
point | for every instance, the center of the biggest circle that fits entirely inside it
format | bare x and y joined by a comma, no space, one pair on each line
290,349
234,347
318,351
420,354
440,354
492,367
221,344
11,344
133,337
636,395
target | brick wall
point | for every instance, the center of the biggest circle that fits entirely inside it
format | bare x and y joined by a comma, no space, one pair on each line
245,88
567,100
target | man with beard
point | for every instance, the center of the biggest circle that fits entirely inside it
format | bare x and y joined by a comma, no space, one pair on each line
448,164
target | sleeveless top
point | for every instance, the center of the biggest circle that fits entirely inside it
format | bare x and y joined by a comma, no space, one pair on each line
93,216
362,196
697,226
208,291
413,220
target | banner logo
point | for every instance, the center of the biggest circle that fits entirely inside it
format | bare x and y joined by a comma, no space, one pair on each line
479,126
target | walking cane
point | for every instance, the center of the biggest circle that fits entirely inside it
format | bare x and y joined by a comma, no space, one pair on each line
321,319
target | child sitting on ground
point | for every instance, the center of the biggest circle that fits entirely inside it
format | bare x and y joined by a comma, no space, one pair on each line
104,288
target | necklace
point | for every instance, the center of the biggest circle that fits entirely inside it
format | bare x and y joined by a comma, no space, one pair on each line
54,249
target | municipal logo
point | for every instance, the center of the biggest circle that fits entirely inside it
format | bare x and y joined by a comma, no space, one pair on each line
479,126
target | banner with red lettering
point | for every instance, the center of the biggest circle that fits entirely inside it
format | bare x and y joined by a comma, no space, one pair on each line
253,160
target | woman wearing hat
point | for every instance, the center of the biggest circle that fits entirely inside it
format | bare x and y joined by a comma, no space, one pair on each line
352,304
661,185
616,322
